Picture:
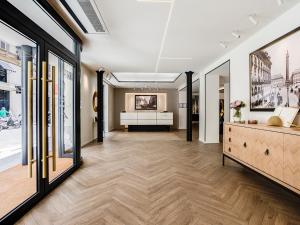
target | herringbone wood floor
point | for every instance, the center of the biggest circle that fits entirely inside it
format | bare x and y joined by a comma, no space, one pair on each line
159,179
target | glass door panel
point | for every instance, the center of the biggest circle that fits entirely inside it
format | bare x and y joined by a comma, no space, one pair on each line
60,115
18,119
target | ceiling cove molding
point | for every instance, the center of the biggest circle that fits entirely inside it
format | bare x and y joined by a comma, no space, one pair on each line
148,81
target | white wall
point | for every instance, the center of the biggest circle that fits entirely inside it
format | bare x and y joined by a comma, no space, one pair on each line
110,111
239,60
88,84
105,105
212,109
202,103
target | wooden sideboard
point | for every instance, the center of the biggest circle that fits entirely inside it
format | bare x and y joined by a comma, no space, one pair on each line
271,151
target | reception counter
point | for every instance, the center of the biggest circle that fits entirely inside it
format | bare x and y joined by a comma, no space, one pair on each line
147,121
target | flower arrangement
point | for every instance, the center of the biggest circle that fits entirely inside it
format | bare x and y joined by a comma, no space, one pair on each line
237,105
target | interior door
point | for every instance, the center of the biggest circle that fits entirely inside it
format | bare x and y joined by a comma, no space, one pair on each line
58,115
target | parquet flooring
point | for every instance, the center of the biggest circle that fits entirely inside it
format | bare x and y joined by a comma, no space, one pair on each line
159,179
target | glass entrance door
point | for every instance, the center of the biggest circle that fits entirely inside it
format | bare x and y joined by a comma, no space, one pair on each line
60,115
18,119
39,92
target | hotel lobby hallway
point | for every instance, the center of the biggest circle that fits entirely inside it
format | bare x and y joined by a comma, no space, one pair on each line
159,178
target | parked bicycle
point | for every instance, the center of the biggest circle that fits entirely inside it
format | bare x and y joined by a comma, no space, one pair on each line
10,122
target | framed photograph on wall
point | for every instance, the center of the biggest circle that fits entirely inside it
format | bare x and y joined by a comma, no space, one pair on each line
275,74
145,102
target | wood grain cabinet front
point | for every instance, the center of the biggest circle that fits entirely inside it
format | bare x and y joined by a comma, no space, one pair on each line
268,155
239,142
232,142
291,167
271,151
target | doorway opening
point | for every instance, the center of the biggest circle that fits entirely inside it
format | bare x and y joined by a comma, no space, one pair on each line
217,103
195,109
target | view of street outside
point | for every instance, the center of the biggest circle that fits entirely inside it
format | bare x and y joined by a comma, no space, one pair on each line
11,148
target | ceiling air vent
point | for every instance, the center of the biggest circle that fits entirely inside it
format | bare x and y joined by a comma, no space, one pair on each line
91,14
86,14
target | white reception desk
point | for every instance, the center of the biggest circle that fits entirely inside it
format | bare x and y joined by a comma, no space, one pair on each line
147,120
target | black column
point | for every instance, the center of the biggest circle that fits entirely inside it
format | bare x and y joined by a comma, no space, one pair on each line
100,106
26,55
189,106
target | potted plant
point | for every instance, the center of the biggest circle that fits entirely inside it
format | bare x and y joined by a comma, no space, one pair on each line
237,106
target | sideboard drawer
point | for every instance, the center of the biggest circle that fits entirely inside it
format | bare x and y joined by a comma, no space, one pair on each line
227,130
146,116
164,122
291,168
128,116
232,150
269,153
165,116
227,133
146,122
241,141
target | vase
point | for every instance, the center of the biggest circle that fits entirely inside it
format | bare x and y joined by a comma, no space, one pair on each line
237,117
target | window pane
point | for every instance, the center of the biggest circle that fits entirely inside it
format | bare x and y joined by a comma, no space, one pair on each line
33,11
17,54
63,115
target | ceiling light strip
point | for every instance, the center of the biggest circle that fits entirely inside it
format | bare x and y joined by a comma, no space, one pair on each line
176,58
236,34
155,1
164,35
223,45
253,19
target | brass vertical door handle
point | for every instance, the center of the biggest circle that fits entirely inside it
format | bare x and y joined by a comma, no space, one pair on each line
53,121
29,118
44,119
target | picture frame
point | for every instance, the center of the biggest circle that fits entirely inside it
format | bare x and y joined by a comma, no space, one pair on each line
145,102
274,73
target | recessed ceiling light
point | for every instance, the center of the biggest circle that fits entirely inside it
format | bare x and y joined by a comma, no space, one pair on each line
253,19
236,34
223,45
280,2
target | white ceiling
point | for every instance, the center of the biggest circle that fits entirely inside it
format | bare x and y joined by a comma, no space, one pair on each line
172,36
